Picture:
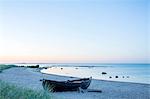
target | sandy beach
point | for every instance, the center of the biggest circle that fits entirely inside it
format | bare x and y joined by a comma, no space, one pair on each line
29,78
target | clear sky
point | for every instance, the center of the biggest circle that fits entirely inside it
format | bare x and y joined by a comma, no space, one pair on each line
101,31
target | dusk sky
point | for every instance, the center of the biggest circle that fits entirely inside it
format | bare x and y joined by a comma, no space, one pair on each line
88,31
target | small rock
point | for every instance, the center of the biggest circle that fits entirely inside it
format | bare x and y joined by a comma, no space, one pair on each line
104,73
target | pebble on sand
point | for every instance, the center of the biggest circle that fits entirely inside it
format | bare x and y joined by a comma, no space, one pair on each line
104,73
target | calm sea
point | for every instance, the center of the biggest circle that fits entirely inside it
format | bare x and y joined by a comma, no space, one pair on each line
138,73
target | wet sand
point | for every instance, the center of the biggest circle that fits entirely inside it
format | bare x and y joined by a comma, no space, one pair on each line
30,78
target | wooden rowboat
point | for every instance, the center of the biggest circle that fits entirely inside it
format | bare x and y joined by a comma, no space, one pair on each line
70,85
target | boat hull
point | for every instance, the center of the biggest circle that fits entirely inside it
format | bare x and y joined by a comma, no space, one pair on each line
70,85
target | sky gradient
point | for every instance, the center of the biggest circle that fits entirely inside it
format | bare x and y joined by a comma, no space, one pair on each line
100,31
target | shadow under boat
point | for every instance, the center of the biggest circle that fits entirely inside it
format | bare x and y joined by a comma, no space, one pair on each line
70,85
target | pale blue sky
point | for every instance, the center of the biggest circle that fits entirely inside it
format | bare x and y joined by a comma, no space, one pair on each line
74,31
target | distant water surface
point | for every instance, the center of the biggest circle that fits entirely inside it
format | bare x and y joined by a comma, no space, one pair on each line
138,73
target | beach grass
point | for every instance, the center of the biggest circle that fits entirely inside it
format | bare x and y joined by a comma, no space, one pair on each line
3,67
9,91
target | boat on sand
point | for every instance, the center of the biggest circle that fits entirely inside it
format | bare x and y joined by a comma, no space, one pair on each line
69,85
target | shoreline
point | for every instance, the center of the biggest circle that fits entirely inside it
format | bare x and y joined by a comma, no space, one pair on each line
99,79
27,77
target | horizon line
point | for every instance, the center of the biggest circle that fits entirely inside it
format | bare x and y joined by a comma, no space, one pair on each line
73,63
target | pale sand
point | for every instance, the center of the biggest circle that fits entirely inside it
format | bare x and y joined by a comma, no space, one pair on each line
27,77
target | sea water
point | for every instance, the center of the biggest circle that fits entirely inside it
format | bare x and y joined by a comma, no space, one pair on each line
137,73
